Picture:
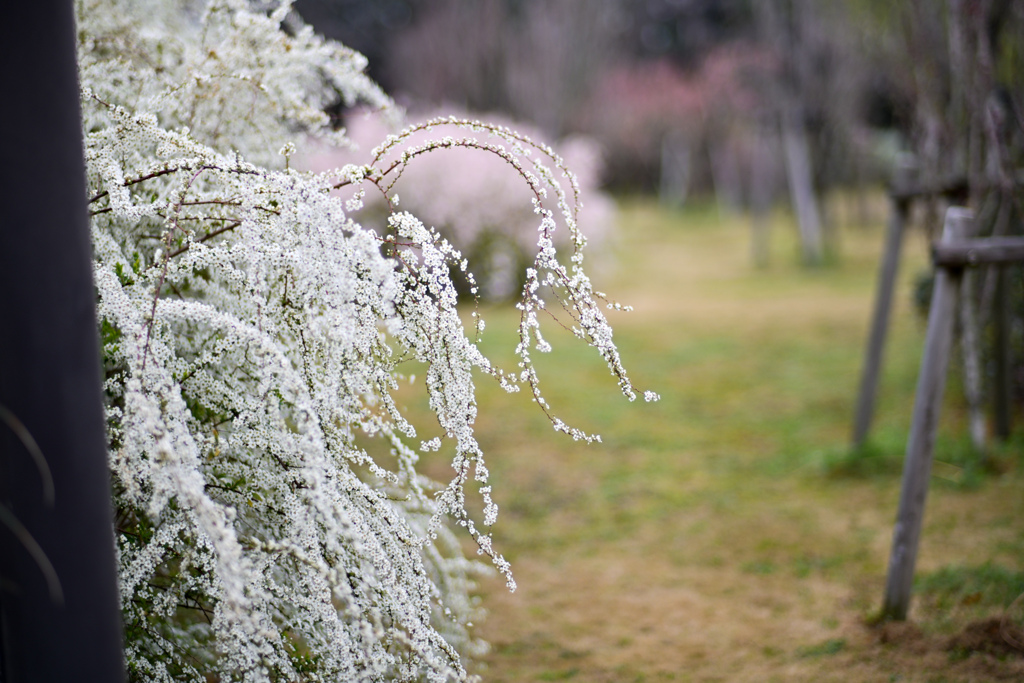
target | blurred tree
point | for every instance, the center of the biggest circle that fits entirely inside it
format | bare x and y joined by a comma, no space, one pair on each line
565,67
533,60
536,61
365,26
685,31
812,95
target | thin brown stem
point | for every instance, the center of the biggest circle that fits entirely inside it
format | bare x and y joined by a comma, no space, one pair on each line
220,231
135,181
163,272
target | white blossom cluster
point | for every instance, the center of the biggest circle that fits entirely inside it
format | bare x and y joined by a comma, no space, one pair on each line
252,340
477,202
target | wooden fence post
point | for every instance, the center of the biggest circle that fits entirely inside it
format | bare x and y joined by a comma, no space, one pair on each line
920,445
883,306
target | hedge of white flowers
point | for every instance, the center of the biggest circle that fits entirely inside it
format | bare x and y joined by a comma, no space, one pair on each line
254,337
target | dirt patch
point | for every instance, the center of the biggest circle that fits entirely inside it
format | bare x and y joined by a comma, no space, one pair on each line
983,650
905,636
995,636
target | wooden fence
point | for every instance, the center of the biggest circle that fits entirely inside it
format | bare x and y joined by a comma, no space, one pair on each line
953,256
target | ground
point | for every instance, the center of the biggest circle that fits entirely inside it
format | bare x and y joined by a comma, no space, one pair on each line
727,533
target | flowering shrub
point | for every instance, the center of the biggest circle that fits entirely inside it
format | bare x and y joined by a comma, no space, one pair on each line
476,201
252,340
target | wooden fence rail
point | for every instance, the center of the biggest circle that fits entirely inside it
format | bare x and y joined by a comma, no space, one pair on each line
905,190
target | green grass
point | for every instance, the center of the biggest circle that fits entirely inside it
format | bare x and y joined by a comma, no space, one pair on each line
957,593
829,647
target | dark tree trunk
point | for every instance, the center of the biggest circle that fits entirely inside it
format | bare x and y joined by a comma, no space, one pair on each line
58,581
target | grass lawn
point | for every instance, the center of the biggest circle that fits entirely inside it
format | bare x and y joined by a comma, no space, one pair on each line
725,533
